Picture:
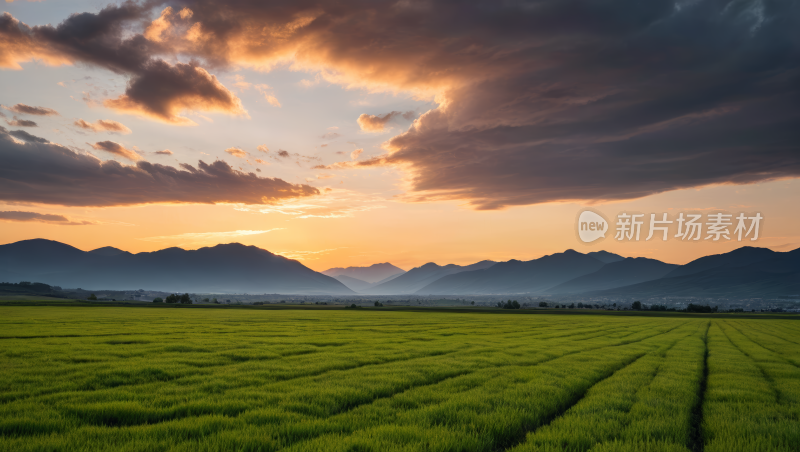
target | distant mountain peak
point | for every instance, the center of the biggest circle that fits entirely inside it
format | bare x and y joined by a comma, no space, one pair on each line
370,274
605,257
108,251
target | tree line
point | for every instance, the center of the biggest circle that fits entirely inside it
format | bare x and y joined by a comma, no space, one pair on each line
174,298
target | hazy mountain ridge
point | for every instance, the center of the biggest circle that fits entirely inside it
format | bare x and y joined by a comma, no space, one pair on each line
354,284
373,274
742,273
624,272
230,268
515,276
419,277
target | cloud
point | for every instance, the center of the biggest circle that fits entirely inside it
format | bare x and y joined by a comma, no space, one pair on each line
262,162
41,218
117,149
544,102
268,94
159,26
47,173
102,125
333,203
205,237
263,148
21,123
282,153
558,102
377,123
25,136
236,152
355,154
162,92
305,255
165,152
28,110
330,136
156,89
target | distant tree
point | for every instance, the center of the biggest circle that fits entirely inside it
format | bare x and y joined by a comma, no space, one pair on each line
215,301
636,306
378,304
158,300
185,299
172,298
92,297
572,306
509,304
205,300
700,309
542,304
580,305
472,303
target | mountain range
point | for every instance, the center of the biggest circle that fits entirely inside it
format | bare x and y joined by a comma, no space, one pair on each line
231,268
234,268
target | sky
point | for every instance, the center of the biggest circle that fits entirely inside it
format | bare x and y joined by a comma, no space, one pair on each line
352,133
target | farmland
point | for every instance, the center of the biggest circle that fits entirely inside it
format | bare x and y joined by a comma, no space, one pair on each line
138,379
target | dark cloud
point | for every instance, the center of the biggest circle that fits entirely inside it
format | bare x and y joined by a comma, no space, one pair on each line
551,100
16,122
162,91
28,110
156,89
51,174
164,152
25,136
538,101
283,154
48,218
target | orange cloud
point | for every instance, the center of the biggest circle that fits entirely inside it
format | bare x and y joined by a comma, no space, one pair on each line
117,149
236,152
18,45
102,125
158,26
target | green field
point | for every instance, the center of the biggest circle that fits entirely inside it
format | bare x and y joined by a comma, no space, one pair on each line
128,378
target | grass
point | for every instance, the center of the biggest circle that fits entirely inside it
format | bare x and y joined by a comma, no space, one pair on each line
136,379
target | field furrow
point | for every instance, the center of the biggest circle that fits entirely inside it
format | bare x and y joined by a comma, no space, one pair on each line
126,379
